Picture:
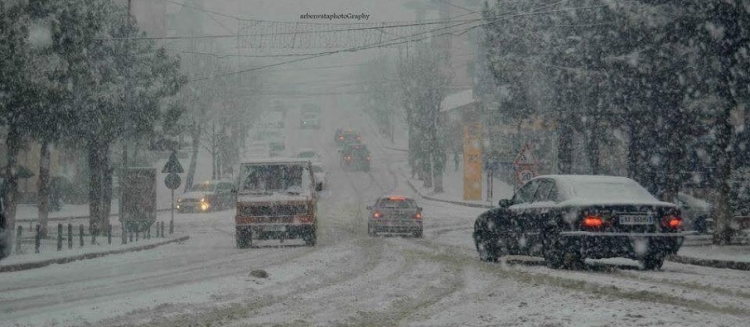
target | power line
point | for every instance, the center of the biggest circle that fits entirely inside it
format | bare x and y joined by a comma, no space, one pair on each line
390,42
220,36
353,49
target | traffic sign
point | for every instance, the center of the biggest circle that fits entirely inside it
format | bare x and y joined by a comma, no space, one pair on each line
172,181
173,165
525,158
524,176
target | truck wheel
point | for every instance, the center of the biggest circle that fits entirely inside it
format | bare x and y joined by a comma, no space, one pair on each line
243,236
418,234
311,237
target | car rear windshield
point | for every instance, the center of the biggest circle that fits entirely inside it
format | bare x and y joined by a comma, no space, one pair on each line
306,154
397,204
317,169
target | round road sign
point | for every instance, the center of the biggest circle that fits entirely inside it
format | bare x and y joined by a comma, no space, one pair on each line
525,175
172,181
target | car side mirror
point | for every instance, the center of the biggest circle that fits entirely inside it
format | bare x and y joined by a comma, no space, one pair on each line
419,209
504,203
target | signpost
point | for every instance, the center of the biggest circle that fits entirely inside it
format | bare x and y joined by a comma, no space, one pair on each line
525,165
473,161
172,181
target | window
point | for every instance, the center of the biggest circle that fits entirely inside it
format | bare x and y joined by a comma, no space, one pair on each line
526,193
203,187
543,191
275,178
400,203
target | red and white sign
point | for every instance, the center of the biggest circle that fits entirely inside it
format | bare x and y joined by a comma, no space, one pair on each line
525,165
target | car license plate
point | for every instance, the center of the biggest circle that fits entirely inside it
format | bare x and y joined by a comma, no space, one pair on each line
274,228
636,220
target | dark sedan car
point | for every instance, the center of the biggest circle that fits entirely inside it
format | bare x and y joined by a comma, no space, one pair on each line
567,218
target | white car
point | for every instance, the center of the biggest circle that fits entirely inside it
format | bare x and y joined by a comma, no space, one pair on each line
258,149
320,175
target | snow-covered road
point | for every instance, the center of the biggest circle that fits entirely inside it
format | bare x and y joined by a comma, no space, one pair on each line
352,279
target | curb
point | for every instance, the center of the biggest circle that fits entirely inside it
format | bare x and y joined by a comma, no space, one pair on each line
395,149
736,265
39,264
465,204
26,220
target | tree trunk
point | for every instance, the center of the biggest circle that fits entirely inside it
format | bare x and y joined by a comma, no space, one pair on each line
195,134
723,213
107,171
44,194
214,153
10,191
592,147
95,186
564,147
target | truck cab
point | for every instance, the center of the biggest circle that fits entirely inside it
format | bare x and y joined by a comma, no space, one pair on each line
276,199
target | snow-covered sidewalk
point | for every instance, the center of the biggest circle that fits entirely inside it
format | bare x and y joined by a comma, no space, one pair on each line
453,188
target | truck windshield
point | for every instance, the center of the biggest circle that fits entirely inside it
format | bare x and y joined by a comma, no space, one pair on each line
275,178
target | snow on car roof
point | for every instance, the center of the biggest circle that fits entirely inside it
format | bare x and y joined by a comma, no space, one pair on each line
597,189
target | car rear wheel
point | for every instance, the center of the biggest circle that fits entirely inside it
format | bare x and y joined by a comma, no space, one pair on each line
559,252
243,235
653,260
418,234
486,243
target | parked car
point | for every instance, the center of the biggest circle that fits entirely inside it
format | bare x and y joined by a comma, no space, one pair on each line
309,154
567,218
395,215
208,196
320,175
310,120
696,214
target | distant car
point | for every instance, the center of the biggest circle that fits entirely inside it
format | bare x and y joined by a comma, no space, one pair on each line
207,196
308,154
395,215
347,136
320,175
567,218
310,120
355,157
276,140
258,149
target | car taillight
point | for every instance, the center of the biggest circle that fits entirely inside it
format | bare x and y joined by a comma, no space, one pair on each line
305,219
673,222
592,222
418,215
368,158
377,214
341,137
347,158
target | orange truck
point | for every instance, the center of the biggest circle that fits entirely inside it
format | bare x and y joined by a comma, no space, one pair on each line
276,199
